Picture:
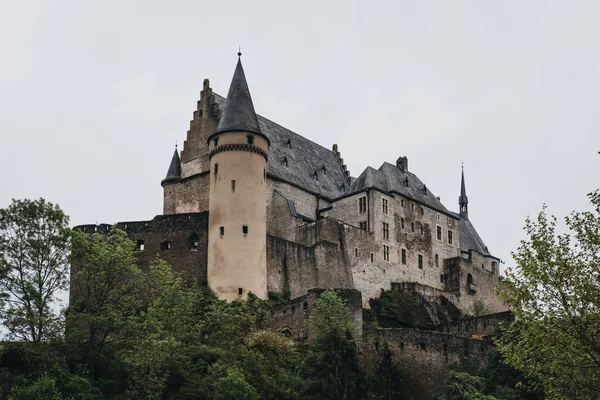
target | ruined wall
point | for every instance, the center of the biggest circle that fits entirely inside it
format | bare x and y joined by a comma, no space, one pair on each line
291,318
180,239
292,268
479,326
427,355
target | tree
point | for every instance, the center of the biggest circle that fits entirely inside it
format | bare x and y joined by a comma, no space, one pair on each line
332,366
34,252
104,291
390,382
463,386
554,292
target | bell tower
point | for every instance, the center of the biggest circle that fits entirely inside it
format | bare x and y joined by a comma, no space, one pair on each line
237,233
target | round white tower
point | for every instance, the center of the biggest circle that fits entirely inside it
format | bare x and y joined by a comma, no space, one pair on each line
237,233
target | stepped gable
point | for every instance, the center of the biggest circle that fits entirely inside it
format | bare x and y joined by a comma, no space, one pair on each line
295,159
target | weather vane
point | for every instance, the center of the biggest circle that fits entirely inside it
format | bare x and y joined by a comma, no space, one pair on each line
239,51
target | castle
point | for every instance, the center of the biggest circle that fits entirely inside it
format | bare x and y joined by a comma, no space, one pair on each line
250,206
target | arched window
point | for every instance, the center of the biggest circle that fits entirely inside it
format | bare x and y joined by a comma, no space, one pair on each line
165,246
469,279
193,241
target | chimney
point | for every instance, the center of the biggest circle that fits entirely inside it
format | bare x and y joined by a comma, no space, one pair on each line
402,163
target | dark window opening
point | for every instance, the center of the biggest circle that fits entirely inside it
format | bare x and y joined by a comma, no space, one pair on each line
437,260
384,206
422,230
449,237
362,204
404,256
222,231
193,241
216,142
165,246
323,170
439,233
305,306
402,223
316,176
216,168
371,257
386,230
289,143
245,229
412,226
200,113
441,278
423,346
469,279
422,211
377,346
284,162
240,291
386,253
140,245
420,261
250,139
363,225
355,252
233,186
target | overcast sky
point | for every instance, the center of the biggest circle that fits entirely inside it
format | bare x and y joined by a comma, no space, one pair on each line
94,95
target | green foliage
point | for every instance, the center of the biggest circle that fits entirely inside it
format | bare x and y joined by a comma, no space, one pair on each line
555,295
463,386
34,248
390,381
332,368
480,308
234,386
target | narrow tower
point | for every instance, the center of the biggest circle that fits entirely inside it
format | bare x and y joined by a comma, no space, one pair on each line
463,200
169,189
237,229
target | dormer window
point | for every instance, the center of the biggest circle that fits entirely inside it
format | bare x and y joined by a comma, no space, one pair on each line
406,181
284,162
316,176
323,170
343,188
250,139
289,143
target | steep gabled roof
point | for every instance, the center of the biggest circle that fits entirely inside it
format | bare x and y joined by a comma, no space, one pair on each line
295,159
470,240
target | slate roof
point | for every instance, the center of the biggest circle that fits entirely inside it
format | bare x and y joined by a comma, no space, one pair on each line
174,172
238,112
391,179
303,157
470,240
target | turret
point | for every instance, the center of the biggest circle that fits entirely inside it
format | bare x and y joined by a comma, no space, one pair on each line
169,189
463,200
237,230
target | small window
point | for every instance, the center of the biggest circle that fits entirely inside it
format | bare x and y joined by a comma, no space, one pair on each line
289,143
438,217
412,226
449,237
437,260
140,245
404,256
420,261
199,113
422,211
245,229
284,162
386,230
165,246
449,221
323,170
385,206
402,202
372,257
362,204
363,225
423,346
439,232
412,207
315,176
402,223
422,230
469,279
305,306
233,186
222,231
355,252
216,168
193,241
386,253
240,291
250,139
216,142
441,278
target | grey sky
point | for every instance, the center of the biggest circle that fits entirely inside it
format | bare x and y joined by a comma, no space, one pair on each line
93,96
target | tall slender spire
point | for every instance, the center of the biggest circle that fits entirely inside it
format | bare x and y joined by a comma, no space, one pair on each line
463,200
174,172
238,113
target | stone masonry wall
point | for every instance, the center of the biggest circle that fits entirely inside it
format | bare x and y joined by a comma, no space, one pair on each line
189,195
479,326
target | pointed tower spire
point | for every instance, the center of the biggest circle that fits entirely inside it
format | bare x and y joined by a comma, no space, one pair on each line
238,113
174,172
463,200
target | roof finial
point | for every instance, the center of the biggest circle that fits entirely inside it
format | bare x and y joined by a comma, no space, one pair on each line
239,51
462,165
175,143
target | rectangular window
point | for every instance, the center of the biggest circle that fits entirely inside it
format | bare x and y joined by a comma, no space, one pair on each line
245,229
412,207
362,204
439,217
240,291
386,230
363,225
404,256
439,233
355,252
412,226
449,221
422,230
216,168
422,211
441,278
420,261
437,260
371,257
222,231
233,186
449,236
402,202
385,206
402,222
386,253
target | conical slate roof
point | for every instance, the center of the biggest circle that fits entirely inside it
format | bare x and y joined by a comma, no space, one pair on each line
174,172
463,200
238,113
